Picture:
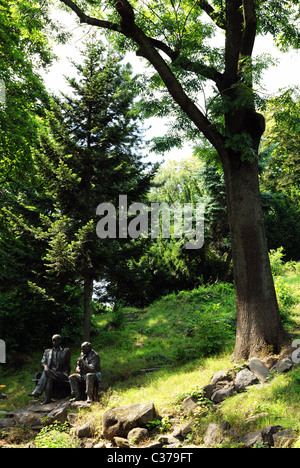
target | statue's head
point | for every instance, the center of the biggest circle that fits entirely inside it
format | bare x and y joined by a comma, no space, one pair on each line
86,347
56,341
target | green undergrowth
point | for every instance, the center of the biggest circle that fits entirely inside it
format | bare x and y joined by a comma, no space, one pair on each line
171,349
174,330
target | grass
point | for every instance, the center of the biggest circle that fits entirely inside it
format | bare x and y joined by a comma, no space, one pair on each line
188,338
172,331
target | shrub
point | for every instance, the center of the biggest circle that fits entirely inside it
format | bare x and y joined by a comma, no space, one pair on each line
55,436
277,261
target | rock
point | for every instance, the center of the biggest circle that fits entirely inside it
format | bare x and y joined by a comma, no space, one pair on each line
88,444
154,445
80,405
182,431
85,430
208,390
259,369
29,419
250,440
29,445
168,440
221,394
189,404
6,423
137,435
271,436
216,433
244,379
268,433
71,418
100,445
284,438
283,366
221,376
118,422
58,414
37,407
121,442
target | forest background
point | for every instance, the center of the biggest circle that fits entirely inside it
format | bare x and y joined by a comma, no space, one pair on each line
41,281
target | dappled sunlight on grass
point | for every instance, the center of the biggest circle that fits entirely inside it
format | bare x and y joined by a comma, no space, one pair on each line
162,386
173,348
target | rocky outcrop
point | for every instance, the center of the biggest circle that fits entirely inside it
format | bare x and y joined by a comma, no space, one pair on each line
224,384
36,415
118,422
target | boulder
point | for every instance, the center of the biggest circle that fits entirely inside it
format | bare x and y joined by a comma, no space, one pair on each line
189,404
283,366
137,435
268,434
28,419
285,438
208,390
118,422
168,440
6,423
85,430
216,433
121,442
182,431
221,394
249,440
58,414
244,379
259,369
221,377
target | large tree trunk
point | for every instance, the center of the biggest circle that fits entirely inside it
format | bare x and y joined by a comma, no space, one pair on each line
259,327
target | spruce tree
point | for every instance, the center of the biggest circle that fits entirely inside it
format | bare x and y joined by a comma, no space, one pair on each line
89,154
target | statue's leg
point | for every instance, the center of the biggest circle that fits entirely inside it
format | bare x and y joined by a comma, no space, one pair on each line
75,380
48,390
90,380
41,386
51,376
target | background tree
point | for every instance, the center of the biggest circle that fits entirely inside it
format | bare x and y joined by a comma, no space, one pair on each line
88,155
164,265
281,145
280,173
23,49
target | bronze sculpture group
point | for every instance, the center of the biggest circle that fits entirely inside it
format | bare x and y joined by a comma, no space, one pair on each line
56,365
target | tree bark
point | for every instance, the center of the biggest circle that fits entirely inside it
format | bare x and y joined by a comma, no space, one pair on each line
87,306
259,327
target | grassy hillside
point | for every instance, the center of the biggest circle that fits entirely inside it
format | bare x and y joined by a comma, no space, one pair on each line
172,331
172,348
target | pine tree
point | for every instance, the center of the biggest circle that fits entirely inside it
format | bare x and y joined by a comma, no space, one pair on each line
89,155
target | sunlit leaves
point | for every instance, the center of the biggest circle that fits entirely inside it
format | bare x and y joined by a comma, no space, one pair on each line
281,18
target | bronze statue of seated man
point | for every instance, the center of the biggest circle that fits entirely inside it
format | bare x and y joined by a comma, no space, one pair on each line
87,371
56,368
